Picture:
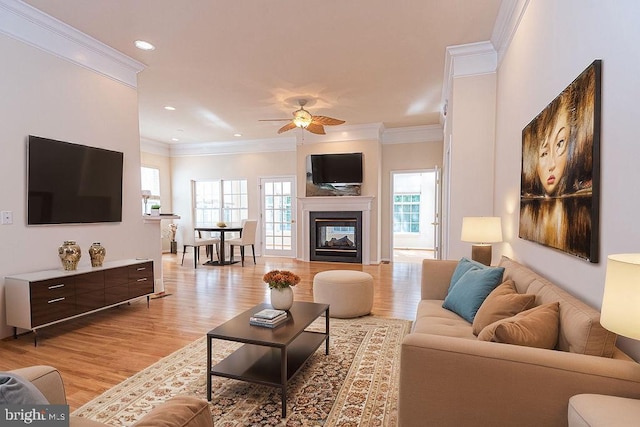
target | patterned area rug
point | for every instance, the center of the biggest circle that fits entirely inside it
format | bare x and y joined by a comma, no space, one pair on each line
355,385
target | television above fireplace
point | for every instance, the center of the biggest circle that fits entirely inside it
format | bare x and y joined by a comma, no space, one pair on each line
345,168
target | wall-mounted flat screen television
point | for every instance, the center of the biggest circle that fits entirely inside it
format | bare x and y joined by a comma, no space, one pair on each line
72,183
343,168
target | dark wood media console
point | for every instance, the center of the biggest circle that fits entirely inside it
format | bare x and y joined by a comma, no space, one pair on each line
42,298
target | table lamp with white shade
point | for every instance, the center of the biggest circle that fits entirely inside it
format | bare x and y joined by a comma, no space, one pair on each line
620,311
481,231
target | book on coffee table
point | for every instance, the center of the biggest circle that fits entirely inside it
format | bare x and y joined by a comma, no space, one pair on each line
269,313
260,321
268,323
274,320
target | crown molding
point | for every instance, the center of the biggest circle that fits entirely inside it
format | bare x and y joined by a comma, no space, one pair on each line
371,132
232,147
483,57
27,24
507,22
413,134
155,147
470,60
299,137
464,60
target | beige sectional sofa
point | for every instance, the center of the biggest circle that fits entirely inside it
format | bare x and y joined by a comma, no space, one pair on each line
179,411
448,377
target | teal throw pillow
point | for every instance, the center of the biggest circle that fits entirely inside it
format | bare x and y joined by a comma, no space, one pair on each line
467,295
464,265
15,390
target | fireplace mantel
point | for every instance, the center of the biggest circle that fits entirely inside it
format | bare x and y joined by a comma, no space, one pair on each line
338,204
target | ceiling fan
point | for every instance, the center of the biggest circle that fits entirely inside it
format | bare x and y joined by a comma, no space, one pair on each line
303,119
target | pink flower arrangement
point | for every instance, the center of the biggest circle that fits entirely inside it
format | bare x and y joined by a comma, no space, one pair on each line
279,279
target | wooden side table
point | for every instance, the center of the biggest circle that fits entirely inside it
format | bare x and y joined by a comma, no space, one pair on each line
592,410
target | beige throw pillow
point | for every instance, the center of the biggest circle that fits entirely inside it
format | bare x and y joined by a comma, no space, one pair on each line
536,327
503,302
179,411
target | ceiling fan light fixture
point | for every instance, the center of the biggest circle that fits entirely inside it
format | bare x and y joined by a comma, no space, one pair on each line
304,120
301,118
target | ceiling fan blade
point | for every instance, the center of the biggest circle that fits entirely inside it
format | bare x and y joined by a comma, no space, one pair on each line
287,127
273,120
316,128
327,121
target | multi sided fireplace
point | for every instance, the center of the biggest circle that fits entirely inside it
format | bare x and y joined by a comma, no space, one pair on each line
335,236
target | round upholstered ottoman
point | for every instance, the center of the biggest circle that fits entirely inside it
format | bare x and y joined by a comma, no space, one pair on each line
348,292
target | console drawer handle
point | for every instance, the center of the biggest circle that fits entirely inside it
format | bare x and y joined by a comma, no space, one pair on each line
144,279
55,300
141,268
56,286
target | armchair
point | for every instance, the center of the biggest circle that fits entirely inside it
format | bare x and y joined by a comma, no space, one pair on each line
179,411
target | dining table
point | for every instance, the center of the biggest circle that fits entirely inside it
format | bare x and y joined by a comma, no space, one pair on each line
222,230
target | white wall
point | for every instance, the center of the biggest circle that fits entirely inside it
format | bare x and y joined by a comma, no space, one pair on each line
554,43
396,158
249,166
50,97
379,161
371,185
471,178
163,164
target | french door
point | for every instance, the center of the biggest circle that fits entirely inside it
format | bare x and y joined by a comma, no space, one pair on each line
278,196
415,213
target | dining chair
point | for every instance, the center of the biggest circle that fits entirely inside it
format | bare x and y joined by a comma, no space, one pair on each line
196,243
247,237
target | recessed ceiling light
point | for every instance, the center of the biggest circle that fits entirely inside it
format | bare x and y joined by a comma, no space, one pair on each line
175,139
237,134
141,44
170,108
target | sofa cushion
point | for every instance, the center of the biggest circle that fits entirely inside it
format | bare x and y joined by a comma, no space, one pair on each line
580,330
501,303
432,319
15,390
522,276
469,292
179,411
536,327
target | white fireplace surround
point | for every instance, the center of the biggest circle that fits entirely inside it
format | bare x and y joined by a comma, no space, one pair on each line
335,204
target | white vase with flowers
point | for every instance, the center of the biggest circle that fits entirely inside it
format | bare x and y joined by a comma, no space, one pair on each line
280,283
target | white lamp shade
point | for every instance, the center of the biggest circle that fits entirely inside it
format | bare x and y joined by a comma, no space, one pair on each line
481,229
621,301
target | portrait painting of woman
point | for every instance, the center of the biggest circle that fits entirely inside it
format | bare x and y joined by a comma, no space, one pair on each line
560,170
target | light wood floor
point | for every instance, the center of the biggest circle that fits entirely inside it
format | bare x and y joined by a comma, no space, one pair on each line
98,351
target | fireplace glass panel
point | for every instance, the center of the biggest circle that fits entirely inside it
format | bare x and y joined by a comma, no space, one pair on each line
336,235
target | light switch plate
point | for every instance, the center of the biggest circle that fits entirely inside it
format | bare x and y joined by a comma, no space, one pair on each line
7,217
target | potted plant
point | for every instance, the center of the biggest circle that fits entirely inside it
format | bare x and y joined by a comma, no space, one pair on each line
155,210
280,283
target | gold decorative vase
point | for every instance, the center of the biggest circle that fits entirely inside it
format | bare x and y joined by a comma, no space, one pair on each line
70,254
97,253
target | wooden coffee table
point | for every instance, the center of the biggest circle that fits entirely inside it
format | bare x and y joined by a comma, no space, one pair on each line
269,356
